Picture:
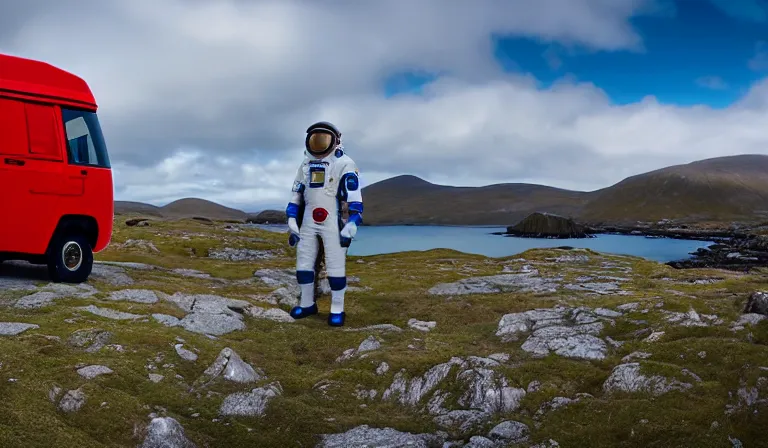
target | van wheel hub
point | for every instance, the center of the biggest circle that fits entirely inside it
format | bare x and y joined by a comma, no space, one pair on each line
72,255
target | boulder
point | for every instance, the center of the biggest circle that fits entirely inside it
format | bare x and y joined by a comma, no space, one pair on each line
547,225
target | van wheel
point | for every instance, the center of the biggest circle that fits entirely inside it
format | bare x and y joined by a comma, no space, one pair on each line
70,259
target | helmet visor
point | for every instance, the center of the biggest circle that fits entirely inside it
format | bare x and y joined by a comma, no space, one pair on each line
319,142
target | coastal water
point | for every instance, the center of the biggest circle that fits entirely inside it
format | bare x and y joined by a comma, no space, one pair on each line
480,240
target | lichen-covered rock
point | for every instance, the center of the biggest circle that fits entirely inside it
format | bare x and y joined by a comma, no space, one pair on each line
523,282
273,314
185,354
166,432
510,432
628,378
250,404
367,437
72,401
134,295
110,313
421,325
110,274
93,339
757,303
91,372
568,332
232,254
210,314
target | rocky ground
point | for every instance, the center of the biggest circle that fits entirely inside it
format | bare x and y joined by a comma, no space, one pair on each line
181,338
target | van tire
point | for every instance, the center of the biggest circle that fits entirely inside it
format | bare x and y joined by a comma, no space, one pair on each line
70,258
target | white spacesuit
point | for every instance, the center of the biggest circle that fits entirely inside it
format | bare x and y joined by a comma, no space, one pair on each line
325,178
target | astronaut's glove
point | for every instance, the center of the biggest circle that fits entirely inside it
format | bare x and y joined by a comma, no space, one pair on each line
293,226
349,230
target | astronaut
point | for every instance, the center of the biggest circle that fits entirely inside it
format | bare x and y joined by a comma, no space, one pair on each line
325,178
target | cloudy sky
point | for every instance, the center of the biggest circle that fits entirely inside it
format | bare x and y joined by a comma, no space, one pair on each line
211,98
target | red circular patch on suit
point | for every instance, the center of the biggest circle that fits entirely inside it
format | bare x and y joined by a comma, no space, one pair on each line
319,214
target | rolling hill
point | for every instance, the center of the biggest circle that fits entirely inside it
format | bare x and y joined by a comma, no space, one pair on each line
182,208
733,188
411,200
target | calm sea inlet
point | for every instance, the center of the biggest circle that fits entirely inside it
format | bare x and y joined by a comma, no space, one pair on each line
374,240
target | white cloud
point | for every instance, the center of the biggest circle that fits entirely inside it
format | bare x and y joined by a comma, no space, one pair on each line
211,99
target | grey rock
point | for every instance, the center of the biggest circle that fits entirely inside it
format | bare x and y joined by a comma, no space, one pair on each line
636,355
510,431
523,282
688,319
464,421
273,314
480,442
253,403
369,344
488,391
382,369
91,372
757,303
190,273
185,354
500,357
212,324
72,401
36,300
113,275
210,314
231,367
166,432
134,295
155,378
53,394
628,306
421,325
92,339
15,328
627,378
287,289
232,254
366,437
109,313
567,332
749,319
167,320
601,288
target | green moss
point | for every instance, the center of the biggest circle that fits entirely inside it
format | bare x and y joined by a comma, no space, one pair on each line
301,354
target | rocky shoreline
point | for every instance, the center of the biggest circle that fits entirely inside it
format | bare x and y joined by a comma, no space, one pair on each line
737,250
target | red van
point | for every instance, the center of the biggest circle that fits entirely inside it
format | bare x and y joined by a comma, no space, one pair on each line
56,198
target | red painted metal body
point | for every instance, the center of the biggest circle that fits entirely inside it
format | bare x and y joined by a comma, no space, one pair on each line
54,165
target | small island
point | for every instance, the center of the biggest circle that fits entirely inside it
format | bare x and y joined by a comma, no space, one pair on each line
548,225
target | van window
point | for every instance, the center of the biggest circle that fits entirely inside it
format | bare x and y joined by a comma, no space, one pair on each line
41,125
85,142
13,128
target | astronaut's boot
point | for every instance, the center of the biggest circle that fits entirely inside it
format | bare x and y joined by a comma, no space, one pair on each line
307,305
338,287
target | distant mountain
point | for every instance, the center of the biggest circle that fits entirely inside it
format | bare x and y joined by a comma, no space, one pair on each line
719,189
410,200
733,188
189,207
127,207
182,208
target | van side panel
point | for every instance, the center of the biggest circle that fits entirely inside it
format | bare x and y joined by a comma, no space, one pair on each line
13,128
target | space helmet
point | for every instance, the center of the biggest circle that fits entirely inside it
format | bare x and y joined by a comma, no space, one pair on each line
322,138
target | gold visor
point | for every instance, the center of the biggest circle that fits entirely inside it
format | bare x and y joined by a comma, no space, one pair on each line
319,142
